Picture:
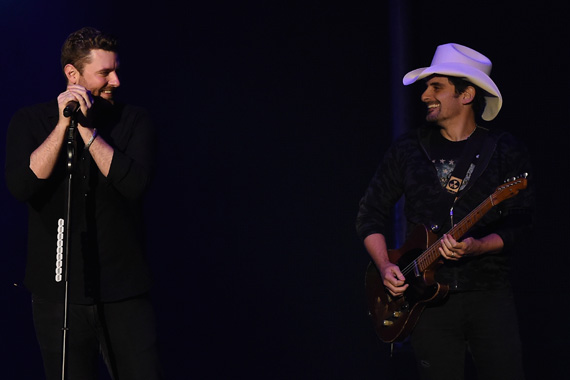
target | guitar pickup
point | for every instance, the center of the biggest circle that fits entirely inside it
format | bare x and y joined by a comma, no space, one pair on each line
417,271
386,322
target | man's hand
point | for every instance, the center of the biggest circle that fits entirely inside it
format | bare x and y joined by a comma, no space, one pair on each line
393,279
454,250
78,94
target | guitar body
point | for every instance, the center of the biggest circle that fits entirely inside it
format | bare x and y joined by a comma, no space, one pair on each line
395,317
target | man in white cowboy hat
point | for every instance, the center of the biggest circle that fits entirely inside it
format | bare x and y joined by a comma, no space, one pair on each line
444,170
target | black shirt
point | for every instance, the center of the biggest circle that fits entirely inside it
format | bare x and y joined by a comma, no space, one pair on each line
107,257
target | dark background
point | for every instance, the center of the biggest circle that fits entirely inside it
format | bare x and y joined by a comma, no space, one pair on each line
272,118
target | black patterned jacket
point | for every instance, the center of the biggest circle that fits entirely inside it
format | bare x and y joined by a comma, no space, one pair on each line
407,170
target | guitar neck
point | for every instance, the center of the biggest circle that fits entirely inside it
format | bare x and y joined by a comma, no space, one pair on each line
431,255
471,219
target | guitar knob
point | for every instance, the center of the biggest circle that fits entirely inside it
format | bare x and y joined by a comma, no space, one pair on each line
397,314
387,323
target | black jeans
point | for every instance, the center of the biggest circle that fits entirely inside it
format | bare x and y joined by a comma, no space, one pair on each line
123,332
483,322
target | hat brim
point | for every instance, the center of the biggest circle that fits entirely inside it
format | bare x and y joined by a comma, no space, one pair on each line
494,100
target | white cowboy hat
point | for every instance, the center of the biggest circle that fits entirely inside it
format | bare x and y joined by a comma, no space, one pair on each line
463,62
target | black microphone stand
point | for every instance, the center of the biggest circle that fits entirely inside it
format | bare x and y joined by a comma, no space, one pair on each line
71,145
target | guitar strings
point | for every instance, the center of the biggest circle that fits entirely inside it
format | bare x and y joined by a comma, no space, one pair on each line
432,250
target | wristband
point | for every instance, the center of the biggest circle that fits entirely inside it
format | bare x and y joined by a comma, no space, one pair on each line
92,139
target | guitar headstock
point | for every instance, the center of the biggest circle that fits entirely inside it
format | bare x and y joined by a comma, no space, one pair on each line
510,188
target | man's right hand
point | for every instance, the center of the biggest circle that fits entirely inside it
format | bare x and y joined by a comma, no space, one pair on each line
393,279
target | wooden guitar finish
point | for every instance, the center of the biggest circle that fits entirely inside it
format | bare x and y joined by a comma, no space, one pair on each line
395,317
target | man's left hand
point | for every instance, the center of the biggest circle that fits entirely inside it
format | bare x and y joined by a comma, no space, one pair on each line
454,250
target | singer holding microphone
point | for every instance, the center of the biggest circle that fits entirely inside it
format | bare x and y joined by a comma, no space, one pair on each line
104,299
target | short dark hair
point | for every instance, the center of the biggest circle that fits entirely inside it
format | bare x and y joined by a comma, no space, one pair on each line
478,102
77,47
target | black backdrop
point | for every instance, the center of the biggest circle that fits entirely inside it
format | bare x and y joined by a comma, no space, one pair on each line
272,118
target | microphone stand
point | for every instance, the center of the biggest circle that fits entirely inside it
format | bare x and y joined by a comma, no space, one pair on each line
71,145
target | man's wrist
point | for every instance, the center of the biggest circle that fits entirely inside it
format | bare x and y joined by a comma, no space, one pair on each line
93,137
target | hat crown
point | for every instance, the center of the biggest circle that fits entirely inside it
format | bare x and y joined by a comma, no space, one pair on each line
455,53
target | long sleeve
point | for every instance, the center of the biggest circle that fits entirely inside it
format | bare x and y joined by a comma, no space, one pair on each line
516,223
27,130
133,163
384,190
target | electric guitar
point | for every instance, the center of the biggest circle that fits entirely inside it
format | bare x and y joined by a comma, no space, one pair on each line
395,317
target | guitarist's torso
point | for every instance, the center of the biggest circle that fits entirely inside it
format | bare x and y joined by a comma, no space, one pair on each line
412,173
408,170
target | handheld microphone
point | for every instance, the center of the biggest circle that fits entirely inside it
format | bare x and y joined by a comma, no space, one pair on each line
71,108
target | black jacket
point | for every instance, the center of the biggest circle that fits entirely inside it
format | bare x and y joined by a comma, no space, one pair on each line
407,170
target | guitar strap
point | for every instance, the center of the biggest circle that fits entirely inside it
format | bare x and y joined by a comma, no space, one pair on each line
468,156
478,151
